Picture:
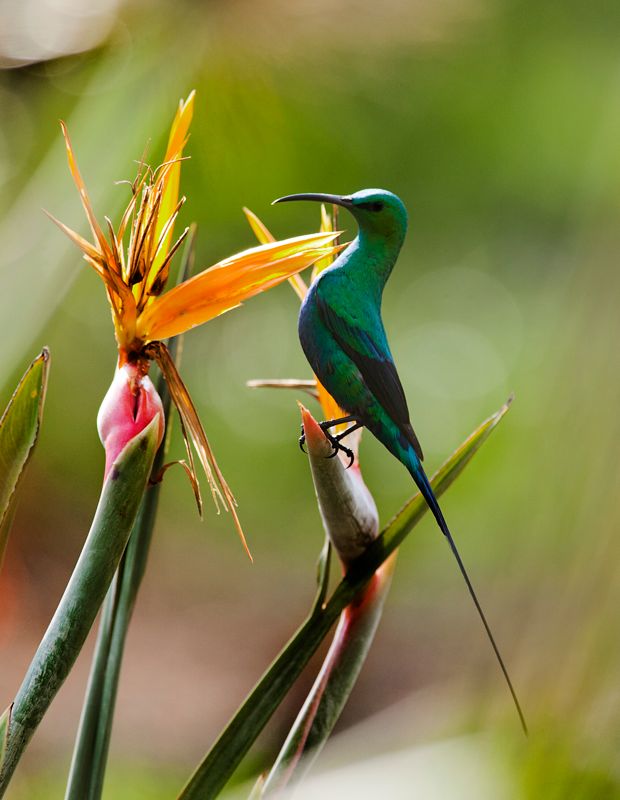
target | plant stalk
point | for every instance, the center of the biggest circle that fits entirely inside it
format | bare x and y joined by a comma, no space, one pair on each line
78,607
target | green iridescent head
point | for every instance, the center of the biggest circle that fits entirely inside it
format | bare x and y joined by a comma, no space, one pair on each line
376,211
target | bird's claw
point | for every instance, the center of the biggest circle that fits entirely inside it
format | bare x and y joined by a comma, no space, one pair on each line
335,443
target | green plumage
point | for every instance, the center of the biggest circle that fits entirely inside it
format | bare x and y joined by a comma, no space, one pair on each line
342,335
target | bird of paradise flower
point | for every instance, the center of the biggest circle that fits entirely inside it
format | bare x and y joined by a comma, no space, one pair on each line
133,261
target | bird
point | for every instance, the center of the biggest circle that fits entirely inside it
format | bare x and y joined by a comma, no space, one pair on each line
342,335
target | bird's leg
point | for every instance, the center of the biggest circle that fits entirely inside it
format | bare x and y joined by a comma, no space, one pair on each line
355,427
330,423
335,440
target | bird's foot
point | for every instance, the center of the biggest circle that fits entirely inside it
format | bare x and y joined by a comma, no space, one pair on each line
338,447
335,440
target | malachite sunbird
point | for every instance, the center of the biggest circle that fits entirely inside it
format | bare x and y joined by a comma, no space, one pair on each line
342,335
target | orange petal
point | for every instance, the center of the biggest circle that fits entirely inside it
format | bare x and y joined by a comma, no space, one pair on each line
119,295
180,127
172,173
84,245
228,283
331,409
81,187
264,236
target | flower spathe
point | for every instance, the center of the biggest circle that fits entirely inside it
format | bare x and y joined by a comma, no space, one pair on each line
133,261
348,510
131,403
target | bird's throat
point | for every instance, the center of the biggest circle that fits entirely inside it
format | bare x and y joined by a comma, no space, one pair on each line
373,257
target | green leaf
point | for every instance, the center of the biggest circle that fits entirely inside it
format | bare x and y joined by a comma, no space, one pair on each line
19,430
330,691
226,754
322,574
78,607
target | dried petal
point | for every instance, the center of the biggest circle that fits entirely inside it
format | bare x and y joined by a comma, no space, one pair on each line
193,427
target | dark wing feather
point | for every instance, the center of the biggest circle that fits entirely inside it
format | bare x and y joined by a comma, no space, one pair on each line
373,359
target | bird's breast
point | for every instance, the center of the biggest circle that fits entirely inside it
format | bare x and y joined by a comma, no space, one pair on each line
310,328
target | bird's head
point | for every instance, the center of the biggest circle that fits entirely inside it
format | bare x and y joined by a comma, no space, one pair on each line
376,211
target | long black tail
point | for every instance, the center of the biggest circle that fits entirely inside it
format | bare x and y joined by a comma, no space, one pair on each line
424,486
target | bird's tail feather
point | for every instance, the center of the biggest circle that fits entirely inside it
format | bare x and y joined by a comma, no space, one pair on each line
424,486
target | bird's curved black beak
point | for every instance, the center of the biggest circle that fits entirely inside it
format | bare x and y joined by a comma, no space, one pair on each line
336,199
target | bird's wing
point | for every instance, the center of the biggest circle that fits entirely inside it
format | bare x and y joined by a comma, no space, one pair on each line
371,355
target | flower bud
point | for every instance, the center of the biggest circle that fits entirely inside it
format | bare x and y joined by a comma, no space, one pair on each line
348,510
130,404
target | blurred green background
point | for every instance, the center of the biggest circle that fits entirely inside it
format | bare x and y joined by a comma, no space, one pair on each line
498,123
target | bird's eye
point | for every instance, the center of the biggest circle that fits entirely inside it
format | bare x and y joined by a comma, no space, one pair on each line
375,205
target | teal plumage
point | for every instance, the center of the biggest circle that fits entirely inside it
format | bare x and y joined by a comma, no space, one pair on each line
343,338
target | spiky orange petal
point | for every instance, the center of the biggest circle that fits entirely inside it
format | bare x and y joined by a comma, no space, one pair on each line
172,172
81,187
228,283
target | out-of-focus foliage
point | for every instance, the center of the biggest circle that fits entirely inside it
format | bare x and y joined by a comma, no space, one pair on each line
498,124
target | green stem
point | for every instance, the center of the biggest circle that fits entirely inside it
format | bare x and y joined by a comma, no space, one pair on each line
92,743
78,607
